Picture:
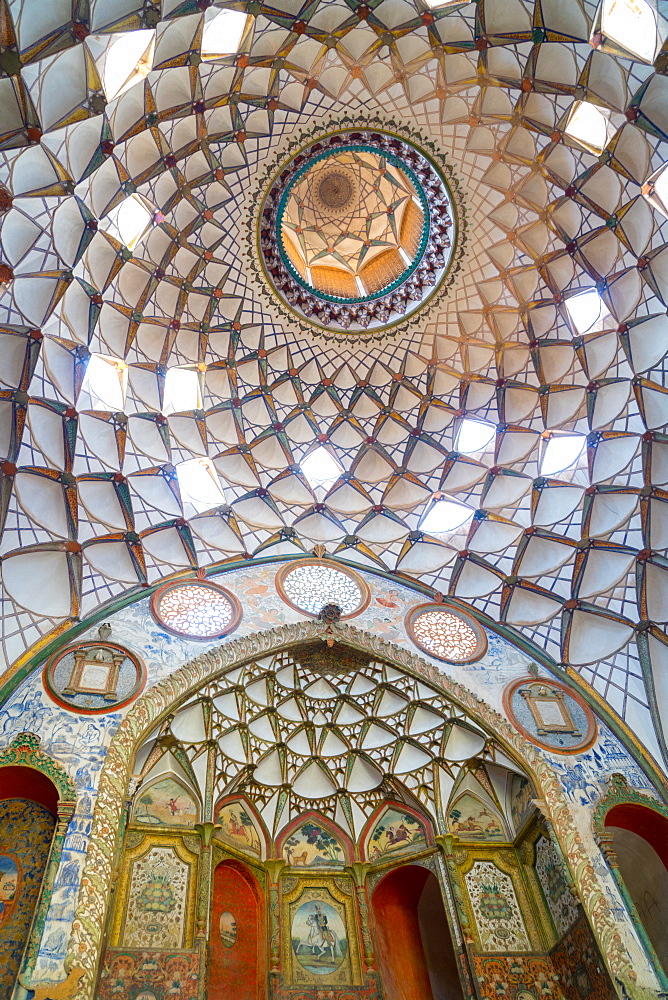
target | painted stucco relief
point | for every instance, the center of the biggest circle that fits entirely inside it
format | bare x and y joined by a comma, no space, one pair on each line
157,901
496,910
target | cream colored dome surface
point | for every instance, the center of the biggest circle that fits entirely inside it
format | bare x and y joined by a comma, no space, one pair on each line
531,389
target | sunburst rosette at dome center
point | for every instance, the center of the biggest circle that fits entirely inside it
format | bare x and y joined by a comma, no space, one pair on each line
356,231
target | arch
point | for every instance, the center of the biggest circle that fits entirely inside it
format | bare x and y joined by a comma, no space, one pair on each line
70,630
395,829
313,819
416,956
632,831
48,797
157,802
237,945
230,820
168,694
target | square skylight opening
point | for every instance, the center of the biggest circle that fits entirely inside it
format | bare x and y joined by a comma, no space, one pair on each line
199,485
473,435
588,312
560,452
127,57
104,384
626,27
223,31
182,390
130,221
445,514
321,468
590,126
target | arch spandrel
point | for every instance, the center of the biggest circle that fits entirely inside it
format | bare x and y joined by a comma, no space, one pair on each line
174,690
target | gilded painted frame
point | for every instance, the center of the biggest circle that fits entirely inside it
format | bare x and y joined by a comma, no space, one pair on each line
338,891
533,910
133,853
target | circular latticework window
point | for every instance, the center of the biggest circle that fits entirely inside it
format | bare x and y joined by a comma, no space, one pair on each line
446,633
356,230
196,609
311,585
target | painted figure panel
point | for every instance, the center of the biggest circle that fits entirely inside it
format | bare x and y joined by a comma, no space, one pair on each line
26,829
495,909
238,828
396,833
471,819
319,939
313,846
156,907
166,803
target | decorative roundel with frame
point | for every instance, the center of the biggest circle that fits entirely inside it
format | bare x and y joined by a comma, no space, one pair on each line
92,678
310,585
446,633
196,609
356,230
550,714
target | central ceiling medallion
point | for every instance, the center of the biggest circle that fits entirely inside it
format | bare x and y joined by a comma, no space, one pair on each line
356,230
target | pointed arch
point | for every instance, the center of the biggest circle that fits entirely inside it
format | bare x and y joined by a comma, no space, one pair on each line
307,825
173,691
27,772
395,829
240,824
160,803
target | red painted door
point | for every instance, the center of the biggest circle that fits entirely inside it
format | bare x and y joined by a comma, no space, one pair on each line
236,969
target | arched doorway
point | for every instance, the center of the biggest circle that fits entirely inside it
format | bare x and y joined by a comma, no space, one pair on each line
28,816
237,966
640,843
415,954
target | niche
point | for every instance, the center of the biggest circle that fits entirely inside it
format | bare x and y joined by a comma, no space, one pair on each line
237,965
28,809
640,842
416,958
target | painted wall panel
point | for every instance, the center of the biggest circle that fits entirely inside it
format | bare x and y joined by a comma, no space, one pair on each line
26,830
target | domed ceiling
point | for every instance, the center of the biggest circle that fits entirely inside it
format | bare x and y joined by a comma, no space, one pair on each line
505,444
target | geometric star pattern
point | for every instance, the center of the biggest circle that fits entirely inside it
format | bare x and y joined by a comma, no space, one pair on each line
91,503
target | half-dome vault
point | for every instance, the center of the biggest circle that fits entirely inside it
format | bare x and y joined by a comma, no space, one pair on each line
502,440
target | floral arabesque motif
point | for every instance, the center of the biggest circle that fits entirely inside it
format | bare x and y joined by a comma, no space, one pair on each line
157,901
560,899
495,908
